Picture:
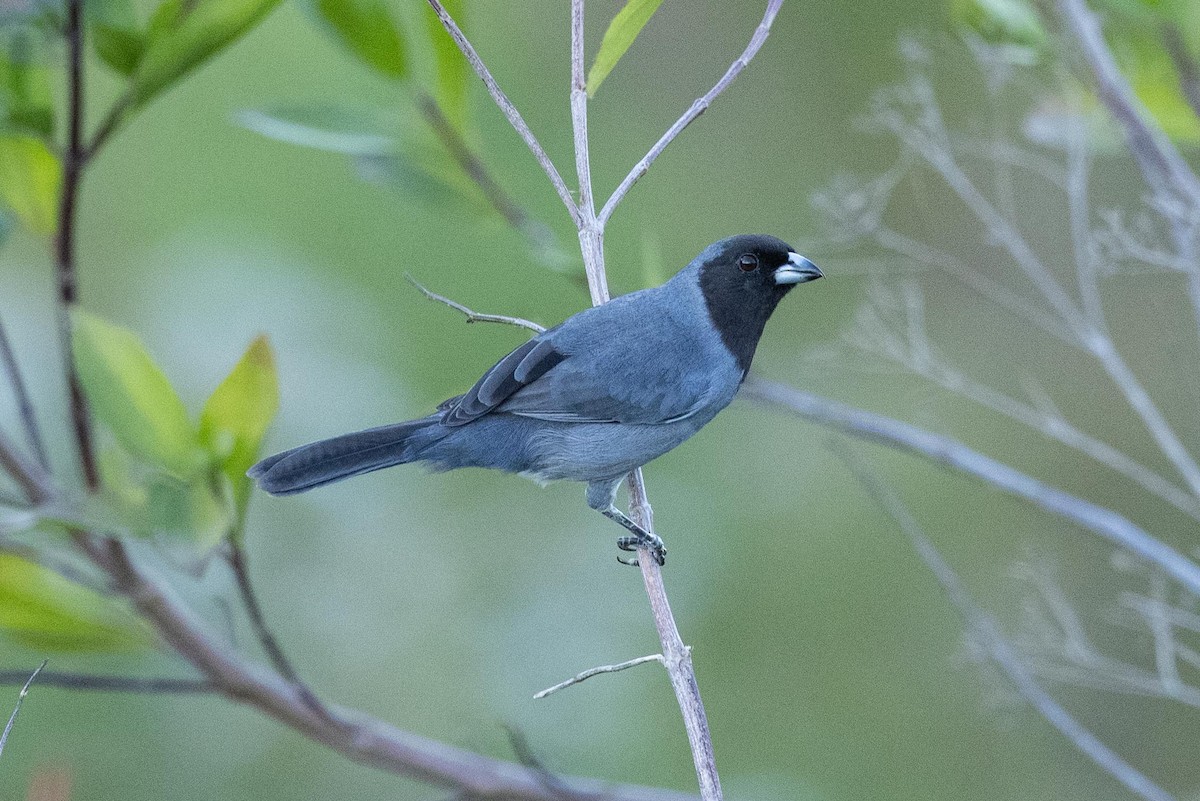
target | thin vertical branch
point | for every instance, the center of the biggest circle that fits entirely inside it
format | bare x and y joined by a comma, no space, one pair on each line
506,106
258,621
21,394
68,292
987,633
676,657
591,230
697,108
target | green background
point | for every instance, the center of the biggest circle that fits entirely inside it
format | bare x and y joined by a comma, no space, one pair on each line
832,665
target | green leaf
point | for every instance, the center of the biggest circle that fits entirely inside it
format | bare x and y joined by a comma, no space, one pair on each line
120,48
26,101
182,37
453,71
336,129
30,179
368,30
625,27
131,396
237,415
46,611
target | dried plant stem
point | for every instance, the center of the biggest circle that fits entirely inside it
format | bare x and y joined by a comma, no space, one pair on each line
950,452
987,633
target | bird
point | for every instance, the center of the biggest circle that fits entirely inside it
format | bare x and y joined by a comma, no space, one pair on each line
606,391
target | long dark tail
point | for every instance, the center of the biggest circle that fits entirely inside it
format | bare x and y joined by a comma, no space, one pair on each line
330,460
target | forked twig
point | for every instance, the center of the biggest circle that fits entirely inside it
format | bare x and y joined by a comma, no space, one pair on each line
474,316
987,633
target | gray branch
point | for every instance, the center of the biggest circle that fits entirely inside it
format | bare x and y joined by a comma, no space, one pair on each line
951,453
986,632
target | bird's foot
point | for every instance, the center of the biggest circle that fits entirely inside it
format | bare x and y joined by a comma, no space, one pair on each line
643,539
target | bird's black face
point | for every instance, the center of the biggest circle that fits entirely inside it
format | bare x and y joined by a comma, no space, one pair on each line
742,279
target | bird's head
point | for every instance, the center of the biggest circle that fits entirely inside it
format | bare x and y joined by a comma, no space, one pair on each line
742,279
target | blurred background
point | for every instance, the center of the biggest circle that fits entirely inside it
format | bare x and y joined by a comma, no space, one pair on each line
832,664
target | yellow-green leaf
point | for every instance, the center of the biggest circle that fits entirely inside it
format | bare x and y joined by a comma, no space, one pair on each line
237,415
182,36
30,180
453,71
368,30
46,611
624,28
132,396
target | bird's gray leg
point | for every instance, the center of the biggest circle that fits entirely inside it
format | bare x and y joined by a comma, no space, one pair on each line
600,496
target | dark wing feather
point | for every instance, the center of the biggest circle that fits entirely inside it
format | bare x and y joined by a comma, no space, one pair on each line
518,369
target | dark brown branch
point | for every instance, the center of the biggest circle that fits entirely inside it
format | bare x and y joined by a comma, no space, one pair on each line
68,292
21,394
258,621
109,684
1185,65
471,164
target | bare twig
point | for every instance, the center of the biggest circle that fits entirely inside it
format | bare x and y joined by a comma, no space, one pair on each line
676,657
596,671
506,106
928,138
987,633
111,684
697,108
951,453
474,316
21,394
12,719
238,563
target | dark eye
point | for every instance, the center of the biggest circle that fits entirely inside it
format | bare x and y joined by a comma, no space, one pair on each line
747,262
